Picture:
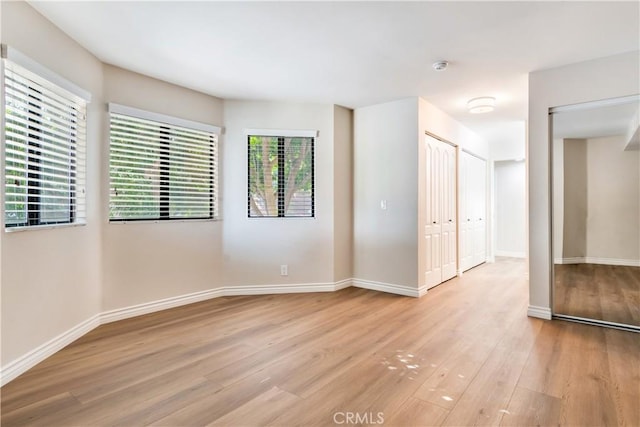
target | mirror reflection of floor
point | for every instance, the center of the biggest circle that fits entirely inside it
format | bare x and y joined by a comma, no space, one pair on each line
602,292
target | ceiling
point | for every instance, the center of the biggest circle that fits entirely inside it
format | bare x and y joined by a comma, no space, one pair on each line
597,122
352,53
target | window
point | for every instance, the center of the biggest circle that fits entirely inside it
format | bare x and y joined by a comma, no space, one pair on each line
44,150
281,174
160,167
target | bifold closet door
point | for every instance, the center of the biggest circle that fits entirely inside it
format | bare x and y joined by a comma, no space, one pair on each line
449,214
473,196
440,212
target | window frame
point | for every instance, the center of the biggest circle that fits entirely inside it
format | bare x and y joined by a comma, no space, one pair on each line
281,135
166,124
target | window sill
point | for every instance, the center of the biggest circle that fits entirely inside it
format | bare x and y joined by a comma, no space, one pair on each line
163,221
42,227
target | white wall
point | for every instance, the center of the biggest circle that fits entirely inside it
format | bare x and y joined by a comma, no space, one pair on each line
508,142
51,278
147,261
510,211
389,165
386,168
587,81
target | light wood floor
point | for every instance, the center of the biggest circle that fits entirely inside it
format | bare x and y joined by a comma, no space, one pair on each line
601,292
465,354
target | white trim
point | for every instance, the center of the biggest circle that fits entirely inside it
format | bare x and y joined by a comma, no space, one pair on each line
22,364
539,312
159,305
512,254
287,133
162,118
596,260
22,60
285,288
595,104
389,288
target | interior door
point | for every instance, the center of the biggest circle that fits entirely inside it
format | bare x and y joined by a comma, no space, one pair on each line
473,199
433,217
479,211
448,211
466,238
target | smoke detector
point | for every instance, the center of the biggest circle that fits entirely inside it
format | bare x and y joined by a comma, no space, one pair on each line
440,65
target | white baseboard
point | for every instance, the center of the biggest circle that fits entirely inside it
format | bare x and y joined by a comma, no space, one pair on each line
511,254
153,306
596,260
22,364
285,289
539,312
387,287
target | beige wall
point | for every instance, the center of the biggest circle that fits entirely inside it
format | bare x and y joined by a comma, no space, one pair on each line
343,193
558,198
147,261
613,220
51,278
587,81
575,210
254,248
85,270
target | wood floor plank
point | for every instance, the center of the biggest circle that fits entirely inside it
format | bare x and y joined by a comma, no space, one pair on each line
530,408
596,291
262,410
487,396
417,413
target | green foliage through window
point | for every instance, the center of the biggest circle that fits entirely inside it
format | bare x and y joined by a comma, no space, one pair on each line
281,176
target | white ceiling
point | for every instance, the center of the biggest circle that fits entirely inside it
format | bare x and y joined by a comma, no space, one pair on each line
596,122
352,53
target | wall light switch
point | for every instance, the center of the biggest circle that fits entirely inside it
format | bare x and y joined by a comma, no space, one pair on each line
383,205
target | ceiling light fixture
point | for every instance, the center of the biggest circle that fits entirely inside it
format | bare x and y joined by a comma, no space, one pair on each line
484,104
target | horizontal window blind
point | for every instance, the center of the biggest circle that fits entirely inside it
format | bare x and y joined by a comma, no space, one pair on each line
281,176
45,151
160,171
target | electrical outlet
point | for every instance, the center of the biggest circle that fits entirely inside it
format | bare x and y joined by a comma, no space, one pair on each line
284,270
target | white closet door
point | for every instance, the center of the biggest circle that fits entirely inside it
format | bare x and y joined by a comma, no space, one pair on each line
473,230
433,223
448,199
480,212
466,241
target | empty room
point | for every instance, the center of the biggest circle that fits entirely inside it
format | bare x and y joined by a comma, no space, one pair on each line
320,213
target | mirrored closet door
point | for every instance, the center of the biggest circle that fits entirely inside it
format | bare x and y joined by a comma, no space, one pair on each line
596,212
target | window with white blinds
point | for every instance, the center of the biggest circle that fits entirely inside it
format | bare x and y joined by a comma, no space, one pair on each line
160,170
281,176
44,151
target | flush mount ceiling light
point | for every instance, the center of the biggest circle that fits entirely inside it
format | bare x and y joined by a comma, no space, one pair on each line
484,104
